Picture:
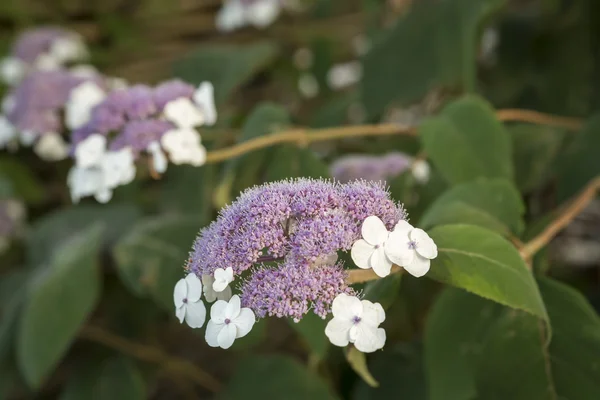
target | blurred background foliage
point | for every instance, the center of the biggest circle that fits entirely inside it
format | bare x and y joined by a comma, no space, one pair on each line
86,290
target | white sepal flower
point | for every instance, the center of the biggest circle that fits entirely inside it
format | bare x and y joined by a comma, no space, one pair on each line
411,248
47,62
85,182
228,321
12,70
355,321
204,97
51,147
159,160
188,305
231,16
118,167
27,137
370,251
90,151
223,277
184,147
82,100
183,113
263,13
421,171
7,132
341,76
210,294
85,71
67,49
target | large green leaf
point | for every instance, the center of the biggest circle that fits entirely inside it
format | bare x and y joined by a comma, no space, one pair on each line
466,142
48,233
433,45
484,263
478,349
115,378
494,204
581,163
275,378
59,299
535,149
11,303
150,259
226,66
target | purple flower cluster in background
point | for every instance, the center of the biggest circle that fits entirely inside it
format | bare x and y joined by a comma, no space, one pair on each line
299,224
375,168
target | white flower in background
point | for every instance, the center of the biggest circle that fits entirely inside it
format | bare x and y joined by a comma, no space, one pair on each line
223,277
228,321
204,97
188,306
183,113
82,100
51,147
90,151
7,132
68,48
421,171
47,62
341,76
89,181
84,71
370,251
239,13
355,321
262,13
210,294
488,46
12,70
184,147
159,159
26,138
118,167
308,85
411,248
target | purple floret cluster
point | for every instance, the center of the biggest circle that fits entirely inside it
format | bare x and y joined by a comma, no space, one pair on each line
375,168
296,224
134,113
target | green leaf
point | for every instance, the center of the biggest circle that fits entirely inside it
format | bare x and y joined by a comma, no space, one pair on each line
383,291
432,45
580,164
476,349
484,263
49,232
226,66
58,303
289,161
265,119
274,378
23,182
311,329
493,204
115,378
11,303
358,362
150,259
535,149
400,373
187,190
466,142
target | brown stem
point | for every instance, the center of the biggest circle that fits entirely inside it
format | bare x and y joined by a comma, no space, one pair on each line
366,275
534,117
566,215
152,355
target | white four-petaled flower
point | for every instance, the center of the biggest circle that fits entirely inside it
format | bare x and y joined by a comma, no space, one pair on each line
204,97
183,113
355,321
412,249
188,304
159,160
12,70
228,321
406,246
184,147
82,100
90,151
51,147
223,277
210,294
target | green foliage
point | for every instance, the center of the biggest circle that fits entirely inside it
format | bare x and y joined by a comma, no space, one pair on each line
22,182
480,146
493,204
58,302
466,354
286,378
150,259
310,328
226,66
482,262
